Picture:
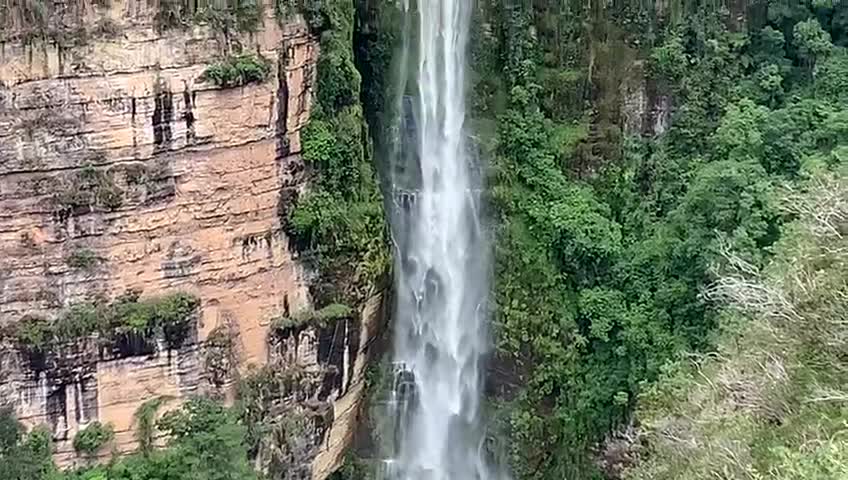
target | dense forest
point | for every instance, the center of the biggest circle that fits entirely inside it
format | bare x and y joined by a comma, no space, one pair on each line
608,242
670,295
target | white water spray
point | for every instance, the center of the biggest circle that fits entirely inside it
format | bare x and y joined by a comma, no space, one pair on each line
442,256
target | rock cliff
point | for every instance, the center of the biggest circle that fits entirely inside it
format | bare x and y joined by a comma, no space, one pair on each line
123,170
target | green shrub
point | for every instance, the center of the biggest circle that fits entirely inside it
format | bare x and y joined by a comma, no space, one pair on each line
205,441
82,259
770,403
145,422
338,81
24,456
563,92
238,16
340,219
93,437
227,17
168,317
10,429
348,237
33,331
171,314
321,317
89,189
78,321
238,70
832,77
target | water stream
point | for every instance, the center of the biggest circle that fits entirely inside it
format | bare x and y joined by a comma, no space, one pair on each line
442,256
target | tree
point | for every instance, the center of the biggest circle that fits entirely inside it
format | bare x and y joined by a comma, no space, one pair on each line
23,456
812,41
770,402
206,443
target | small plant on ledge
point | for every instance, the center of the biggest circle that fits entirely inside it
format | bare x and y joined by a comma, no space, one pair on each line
227,16
83,259
167,317
320,318
89,189
238,70
93,437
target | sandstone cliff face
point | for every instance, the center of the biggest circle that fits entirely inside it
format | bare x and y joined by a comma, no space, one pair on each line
188,180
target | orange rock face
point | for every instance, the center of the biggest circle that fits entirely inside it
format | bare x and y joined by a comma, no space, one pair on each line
118,148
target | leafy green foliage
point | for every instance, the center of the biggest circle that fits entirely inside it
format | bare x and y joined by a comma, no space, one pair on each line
168,317
375,39
10,429
32,330
23,456
145,423
811,41
93,437
205,442
340,218
86,190
228,17
832,77
770,403
321,317
238,70
83,259
599,276
334,149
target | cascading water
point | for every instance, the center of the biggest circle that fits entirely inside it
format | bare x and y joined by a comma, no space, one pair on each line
442,256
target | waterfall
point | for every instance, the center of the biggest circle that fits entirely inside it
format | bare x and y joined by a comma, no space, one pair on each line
442,256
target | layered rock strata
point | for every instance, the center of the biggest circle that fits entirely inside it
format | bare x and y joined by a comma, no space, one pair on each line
115,148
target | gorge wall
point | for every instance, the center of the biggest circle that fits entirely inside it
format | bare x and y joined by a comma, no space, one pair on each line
123,170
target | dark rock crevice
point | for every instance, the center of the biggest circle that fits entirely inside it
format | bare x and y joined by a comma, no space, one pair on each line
163,116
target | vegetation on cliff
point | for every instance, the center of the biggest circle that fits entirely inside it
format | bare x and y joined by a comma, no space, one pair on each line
318,318
169,317
87,190
228,17
338,222
23,455
238,70
260,437
83,259
93,437
339,219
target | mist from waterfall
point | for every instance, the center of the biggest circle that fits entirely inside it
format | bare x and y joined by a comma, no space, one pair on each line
442,256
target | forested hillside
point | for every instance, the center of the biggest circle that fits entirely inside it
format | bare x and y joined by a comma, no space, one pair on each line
770,401
608,240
